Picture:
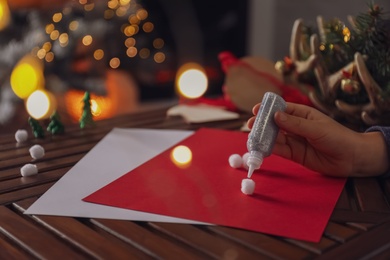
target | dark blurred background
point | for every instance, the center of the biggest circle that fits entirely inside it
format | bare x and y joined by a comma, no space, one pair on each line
133,73
190,31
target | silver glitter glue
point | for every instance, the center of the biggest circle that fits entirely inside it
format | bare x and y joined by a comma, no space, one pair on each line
262,137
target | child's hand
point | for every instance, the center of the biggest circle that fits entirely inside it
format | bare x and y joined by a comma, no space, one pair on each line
318,142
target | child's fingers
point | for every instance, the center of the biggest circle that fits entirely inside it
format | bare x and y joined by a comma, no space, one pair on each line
255,109
298,126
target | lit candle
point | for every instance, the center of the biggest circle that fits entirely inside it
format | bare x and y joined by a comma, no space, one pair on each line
191,81
41,104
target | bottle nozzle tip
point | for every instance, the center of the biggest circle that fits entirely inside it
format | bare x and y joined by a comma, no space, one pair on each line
250,171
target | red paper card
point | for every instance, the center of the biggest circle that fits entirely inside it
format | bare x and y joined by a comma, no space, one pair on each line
289,200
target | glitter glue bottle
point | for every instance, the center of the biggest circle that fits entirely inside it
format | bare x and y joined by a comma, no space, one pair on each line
262,137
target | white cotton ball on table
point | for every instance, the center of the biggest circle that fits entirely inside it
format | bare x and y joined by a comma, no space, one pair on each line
235,160
248,186
244,160
37,151
21,135
28,170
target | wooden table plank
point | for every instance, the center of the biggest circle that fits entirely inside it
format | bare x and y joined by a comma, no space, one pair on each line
83,237
30,181
339,232
22,160
9,251
319,248
370,195
340,215
212,245
141,238
34,191
365,246
43,166
264,244
32,239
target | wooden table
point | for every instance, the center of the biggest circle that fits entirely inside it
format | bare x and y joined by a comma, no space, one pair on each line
359,226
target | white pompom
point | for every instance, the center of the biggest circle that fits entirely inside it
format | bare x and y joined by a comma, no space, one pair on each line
21,135
28,170
235,160
37,151
244,160
248,186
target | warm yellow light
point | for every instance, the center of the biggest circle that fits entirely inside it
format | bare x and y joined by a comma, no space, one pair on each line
113,4
181,156
89,7
114,63
130,42
54,35
27,76
130,30
124,2
121,11
46,46
63,39
95,108
133,19
49,28
74,25
49,57
131,52
57,17
87,40
347,34
148,27
142,14
41,104
159,57
41,54
5,16
191,81
98,54
101,106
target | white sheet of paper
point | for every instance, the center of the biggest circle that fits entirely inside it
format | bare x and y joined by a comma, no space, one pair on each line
117,153
201,113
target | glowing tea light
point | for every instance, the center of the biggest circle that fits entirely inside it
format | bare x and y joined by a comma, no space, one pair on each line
4,14
95,108
40,104
27,76
192,82
181,155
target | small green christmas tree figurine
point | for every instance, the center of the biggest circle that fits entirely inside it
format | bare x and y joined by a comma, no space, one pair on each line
86,116
55,126
37,129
